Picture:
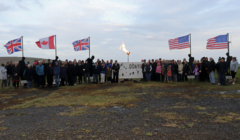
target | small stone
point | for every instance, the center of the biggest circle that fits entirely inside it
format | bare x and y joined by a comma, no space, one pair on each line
156,130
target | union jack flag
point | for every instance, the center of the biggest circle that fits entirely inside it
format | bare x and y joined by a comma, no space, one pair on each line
14,45
81,45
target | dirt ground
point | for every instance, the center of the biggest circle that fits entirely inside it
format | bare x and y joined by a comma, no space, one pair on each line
154,111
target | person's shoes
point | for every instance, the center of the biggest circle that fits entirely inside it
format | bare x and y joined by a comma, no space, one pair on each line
233,83
74,84
219,84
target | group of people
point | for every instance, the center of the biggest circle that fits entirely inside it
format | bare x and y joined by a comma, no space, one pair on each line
42,74
203,70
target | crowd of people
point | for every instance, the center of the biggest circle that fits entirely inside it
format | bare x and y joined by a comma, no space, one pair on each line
42,74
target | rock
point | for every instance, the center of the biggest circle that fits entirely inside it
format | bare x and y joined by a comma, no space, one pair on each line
156,130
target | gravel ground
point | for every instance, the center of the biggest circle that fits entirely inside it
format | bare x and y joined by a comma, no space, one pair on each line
134,123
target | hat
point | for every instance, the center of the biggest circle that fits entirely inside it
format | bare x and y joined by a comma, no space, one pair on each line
70,61
49,60
7,62
223,58
26,63
35,63
219,58
56,61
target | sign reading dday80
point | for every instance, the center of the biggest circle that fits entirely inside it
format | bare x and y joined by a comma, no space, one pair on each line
130,70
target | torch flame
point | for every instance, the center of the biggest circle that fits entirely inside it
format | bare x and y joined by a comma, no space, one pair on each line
123,47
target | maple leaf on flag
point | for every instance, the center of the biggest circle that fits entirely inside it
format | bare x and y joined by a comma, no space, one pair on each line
44,43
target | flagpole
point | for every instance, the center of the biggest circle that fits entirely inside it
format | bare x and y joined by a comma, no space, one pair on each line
89,46
228,42
22,47
190,44
55,47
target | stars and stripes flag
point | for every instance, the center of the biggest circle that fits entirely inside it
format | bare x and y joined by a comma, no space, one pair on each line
218,42
81,45
14,45
179,43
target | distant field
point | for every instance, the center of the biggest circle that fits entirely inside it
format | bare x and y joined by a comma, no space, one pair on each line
30,59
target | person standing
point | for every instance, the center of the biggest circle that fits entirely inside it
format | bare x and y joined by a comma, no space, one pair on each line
148,70
233,69
9,73
35,76
180,71
99,64
196,72
29,75
70,73
217,68
175,71
103,71
95,69
63,74
40,73
16,75
80,72
56,71
108,74
158,71
3,75
223,68
115,69
86,69
75,69
49,74
211,70
169,74
143,67
185,71
154,66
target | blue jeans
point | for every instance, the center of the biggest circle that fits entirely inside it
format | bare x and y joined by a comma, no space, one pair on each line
211,77
87,75
29,84
57,79
169,78
148,76
95,78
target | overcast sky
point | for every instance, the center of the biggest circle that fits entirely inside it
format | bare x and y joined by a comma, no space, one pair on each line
145,26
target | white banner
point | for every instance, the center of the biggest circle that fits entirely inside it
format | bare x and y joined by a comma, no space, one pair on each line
130,70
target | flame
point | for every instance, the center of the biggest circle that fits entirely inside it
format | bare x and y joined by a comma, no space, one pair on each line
123,47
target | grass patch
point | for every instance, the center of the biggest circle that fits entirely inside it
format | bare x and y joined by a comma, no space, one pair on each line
148,134
227,118
3,128
199,108
145,110
170,116
171,124
66,99
136,130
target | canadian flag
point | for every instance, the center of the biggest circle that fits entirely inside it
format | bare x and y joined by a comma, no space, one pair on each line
46,43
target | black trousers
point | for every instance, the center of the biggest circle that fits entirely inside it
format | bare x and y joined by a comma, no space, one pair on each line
4,83
144,76
179,76
157,77
80,76
115,77
185,78
222,79
49,80
41,80
62,81
16,84
70,80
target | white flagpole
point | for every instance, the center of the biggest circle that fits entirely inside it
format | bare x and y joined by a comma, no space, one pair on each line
22,46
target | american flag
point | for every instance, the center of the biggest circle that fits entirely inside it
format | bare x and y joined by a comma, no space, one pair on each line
81,45
218,42
179,43
14,45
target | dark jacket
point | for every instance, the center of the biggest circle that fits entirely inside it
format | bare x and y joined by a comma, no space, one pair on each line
70,70
211,66
186,69
9,70
103,69
29,74
49,70
75,69
223,67
63,72
108,73
95,69
143,66
80,69
175,69
154,66
86,68
115,67
16,70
